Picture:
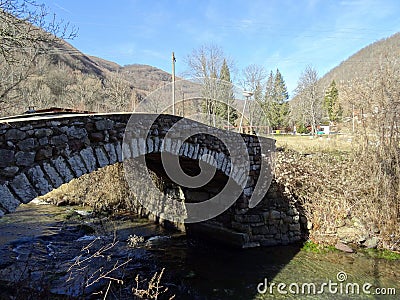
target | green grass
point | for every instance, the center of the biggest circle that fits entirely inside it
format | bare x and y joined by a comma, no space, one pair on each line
310,246
382,254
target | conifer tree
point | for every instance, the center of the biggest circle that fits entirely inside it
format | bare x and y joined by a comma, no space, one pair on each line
276,96
224,108
331,103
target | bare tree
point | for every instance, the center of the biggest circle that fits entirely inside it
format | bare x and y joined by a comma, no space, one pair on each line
118,92
85,92
25,34
307,107
253,76
205,64
253,81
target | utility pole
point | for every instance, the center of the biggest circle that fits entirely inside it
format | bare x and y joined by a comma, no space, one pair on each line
227,101
247,94
173,83
183,104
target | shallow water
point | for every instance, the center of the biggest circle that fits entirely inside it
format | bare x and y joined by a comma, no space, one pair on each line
40,246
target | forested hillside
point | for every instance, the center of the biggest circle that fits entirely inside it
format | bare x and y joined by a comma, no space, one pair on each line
65,77
361,88
365,61
39,68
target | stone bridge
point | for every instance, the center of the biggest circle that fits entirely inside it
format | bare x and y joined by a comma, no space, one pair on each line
38,154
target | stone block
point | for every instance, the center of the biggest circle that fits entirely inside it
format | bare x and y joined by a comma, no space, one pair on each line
248,191
241,227
295,238
294,227
134,148
62,168
175,147
126,152
44,153
166,145
27,144
89,159
101,156
51,172
220,160
7,158
23,188
260,230
292,212
76,145
76,133
248,218
371,242
25,159
150,145
104,124
15,135
43,132
285,240
9,171
191,151
59,140
53,123
38,180
142,146
196,151
273,229
186,149
77,165
7,200
96,137
112,154
284,227
43,141
274,215
118,150
26,128
156,144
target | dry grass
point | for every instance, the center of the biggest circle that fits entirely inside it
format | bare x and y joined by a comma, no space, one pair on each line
339,182
308,144
104,190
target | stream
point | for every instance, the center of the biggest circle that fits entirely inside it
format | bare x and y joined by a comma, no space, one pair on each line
49,252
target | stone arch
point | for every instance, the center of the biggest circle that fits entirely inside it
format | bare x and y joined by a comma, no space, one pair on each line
46,175
40,154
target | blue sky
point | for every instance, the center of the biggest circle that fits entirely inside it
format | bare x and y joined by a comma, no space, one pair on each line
288,35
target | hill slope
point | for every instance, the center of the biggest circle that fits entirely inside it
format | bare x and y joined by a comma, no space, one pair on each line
367,60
